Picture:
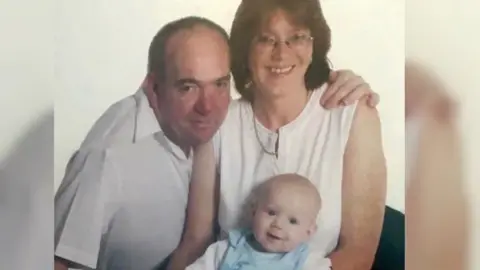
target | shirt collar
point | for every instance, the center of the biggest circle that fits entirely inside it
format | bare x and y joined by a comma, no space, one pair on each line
146,123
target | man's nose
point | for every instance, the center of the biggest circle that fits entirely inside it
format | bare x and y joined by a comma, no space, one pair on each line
205,102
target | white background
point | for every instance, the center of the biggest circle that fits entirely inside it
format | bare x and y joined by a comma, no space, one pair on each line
26,134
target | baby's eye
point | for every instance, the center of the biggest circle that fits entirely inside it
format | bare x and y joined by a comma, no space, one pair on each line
293,221
271,213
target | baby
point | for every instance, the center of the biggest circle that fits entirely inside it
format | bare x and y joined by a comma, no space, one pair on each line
285,210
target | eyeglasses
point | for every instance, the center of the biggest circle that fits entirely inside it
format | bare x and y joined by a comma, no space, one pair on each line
296,41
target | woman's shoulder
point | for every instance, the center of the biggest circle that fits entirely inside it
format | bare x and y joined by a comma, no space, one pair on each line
341,111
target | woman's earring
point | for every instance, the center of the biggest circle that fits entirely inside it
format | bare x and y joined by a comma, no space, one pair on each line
248,84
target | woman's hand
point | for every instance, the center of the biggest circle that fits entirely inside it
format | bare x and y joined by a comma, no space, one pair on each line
344,88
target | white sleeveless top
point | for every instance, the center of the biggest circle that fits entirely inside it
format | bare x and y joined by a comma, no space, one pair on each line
312,145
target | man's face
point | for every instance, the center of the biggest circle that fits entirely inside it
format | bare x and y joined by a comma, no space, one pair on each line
194,98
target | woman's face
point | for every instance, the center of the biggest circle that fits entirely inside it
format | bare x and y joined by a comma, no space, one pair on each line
280,55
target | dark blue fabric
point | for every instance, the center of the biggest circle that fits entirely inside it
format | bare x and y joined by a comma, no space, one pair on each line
391,249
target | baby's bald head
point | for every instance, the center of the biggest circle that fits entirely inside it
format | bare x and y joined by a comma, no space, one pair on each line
292,188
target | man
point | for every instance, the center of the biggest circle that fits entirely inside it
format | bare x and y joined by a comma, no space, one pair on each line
122,203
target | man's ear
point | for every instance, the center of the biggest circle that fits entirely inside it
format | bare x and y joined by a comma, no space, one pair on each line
150,88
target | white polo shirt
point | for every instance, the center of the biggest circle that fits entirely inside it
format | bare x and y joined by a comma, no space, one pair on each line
312,145
124,122
127,211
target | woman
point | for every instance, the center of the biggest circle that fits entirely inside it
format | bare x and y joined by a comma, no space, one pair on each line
280,67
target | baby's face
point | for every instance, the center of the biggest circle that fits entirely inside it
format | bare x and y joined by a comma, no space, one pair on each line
283,220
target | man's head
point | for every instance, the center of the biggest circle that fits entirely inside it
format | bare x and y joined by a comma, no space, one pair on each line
285,212
189,72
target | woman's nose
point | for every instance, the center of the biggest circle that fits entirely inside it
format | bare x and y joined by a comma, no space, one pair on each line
280,50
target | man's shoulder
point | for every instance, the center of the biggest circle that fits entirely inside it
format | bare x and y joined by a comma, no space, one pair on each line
116,124
149,146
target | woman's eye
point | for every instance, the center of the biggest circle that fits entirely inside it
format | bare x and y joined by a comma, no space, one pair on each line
266,40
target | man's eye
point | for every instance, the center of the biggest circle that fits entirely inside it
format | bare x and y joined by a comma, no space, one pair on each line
186,88
223,84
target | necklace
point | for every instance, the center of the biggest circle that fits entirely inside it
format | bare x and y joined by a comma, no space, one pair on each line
272,153
275,152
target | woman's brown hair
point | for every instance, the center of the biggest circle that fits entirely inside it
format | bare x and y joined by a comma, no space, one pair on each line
247,23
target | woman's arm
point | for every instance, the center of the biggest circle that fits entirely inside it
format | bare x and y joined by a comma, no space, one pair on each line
363,193
201,209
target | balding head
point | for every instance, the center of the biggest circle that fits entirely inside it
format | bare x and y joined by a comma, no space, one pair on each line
291,187
157,49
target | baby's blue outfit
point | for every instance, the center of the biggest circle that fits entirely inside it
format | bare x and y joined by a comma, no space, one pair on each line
240,255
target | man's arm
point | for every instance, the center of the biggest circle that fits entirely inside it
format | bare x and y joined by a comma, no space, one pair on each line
201,209
363,193
62,264
77,243
344,88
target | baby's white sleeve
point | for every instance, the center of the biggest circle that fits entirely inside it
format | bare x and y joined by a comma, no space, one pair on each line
212,257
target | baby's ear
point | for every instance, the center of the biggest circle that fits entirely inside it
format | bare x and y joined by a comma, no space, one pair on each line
312,229
253,207
248,212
